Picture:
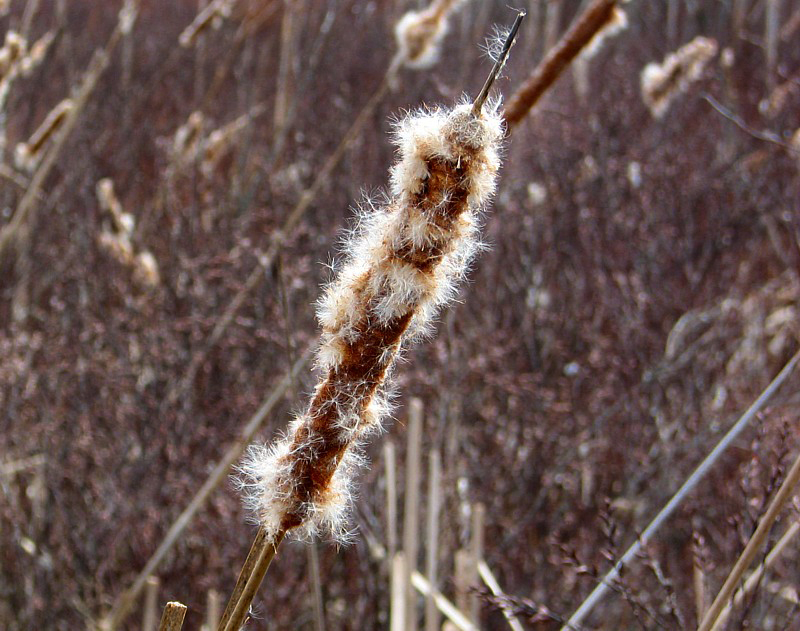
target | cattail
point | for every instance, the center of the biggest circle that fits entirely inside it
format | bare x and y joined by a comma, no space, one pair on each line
220,140
28,154
188,138
124,223
118,241
37,53
662,83
11,53
615,25
403,261
145,269
419,34
211,16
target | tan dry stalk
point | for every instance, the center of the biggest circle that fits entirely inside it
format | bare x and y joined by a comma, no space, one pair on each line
755,578
662,83
172,618
752,548
580,33
489,578
150,604
390,464
213,606
476,554
411,506
398,593
125,601
432,537
97,65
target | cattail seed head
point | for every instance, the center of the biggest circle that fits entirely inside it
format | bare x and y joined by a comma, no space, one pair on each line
28,154
37,53
11,53
662,83
402,263
419,34
211,16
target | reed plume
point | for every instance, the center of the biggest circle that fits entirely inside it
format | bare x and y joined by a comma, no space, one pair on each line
662,83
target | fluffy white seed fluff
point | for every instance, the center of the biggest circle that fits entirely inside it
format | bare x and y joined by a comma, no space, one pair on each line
662,83
403,260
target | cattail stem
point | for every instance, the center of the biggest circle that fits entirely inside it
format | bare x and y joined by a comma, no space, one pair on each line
580,33
253,571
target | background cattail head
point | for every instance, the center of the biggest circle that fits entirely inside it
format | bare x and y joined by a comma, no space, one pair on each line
188,138
37,53
127,16
12,51
211,16
419,33
221,140
28,154
662,83
401,265
118,239
616,25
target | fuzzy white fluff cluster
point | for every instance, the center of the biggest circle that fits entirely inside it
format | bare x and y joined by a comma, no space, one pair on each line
662,83
402,262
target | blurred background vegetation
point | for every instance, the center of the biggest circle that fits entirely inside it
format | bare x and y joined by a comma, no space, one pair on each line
640,290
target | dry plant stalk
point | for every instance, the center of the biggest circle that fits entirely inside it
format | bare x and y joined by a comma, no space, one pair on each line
662,83
752,548
594,18
404,259
172,618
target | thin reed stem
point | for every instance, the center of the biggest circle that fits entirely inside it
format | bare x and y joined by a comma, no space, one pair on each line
752,548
